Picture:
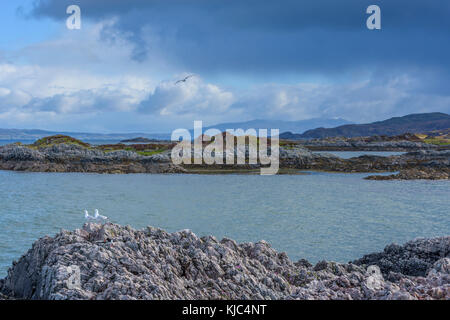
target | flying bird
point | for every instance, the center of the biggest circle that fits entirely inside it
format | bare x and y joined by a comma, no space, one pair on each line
184,80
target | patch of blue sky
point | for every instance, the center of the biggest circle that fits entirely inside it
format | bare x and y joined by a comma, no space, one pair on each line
18,31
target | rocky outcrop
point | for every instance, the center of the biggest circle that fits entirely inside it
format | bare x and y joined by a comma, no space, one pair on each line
366,144
137,140
414,258
75,158
114,262
432,159
416,174
298,157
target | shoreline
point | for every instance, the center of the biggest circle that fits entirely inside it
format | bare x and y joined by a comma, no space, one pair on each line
115,262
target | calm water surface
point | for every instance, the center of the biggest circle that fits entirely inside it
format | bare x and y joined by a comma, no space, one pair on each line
318,216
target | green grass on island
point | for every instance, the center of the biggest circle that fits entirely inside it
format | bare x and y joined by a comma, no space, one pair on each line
149,149
59,139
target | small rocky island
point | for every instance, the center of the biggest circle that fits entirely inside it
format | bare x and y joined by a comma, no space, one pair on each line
139,140
65,154
114,262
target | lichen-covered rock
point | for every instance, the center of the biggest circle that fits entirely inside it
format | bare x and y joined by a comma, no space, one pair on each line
404,142
414,258
113,262
416,174
76,158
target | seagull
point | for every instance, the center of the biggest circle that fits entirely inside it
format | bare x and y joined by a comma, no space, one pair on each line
99,216
96,216
87,216
184,80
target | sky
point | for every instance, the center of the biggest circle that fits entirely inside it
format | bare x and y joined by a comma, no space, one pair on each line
283,60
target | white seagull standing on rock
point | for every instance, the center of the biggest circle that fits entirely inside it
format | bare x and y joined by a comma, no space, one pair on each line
87,216
99,216
96,216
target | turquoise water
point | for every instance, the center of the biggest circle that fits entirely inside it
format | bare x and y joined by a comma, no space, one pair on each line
318,216
352,154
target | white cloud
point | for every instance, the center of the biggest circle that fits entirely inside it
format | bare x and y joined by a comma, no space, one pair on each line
365,100
192,97
10,99
80,73
66,91
32,94
82,81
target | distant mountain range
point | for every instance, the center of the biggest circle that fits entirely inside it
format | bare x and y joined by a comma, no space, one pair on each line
304,129
283,126
295,126
413,123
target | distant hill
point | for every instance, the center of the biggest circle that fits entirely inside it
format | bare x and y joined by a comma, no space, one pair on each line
295,126
138,140
413,123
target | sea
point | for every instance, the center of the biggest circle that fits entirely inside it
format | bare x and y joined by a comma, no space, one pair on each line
314,215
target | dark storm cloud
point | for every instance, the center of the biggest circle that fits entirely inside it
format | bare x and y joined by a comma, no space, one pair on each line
284,14
320,36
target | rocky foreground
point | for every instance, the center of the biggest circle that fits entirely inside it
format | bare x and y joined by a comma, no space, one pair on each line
114,262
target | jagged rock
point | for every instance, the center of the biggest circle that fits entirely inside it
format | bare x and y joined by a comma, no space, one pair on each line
415,174
375,143
414,258
75,158
113,262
